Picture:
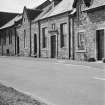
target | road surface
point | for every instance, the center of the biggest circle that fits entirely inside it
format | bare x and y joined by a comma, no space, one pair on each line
55,83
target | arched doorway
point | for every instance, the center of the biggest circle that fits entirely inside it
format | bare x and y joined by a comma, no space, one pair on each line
18,49
35,44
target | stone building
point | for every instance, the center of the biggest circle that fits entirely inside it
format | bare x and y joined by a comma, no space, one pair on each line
6,17
15,35
26,28
89,29
55,33
8,37
35,25
66,29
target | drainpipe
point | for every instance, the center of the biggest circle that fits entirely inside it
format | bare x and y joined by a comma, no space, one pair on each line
2,43
57,44
73,38
39,38
69,27
15,39
2,49
30,38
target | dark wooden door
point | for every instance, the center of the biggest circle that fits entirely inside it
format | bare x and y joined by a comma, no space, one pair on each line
53,46
18,49
35,44
100,44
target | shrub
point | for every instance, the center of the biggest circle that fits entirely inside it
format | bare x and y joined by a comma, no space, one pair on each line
103,60
91,60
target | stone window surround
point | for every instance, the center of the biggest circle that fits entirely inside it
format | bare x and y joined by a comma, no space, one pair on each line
53,26
44,41
77,49
61,26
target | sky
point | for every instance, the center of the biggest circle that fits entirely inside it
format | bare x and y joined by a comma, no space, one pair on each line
18,5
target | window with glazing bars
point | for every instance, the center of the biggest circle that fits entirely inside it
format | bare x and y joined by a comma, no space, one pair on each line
24,38
10,37
63,34
44,37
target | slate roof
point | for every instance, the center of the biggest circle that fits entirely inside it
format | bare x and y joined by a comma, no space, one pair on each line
6,17
12,22
11,19
96,3
62,7
32,13
93,4
43,5
45,11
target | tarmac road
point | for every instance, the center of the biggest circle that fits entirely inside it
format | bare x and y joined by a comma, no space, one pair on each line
55,83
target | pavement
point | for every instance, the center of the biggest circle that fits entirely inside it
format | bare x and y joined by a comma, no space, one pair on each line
56,82
97,64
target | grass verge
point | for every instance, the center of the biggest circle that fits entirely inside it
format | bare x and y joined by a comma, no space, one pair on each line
10,96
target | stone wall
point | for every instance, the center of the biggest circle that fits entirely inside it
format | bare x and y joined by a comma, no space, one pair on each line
89,22
35,31
25,26
24,50
8,48
57,20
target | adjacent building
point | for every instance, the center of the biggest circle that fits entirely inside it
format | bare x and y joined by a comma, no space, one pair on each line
55,31
8,38
89,29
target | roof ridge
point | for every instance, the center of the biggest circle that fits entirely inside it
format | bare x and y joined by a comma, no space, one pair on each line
11,22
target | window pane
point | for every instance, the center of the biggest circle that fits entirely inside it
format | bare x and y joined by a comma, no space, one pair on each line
0,39
81,41
53,26
44,37
64,30
24,38
10,37
4,37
